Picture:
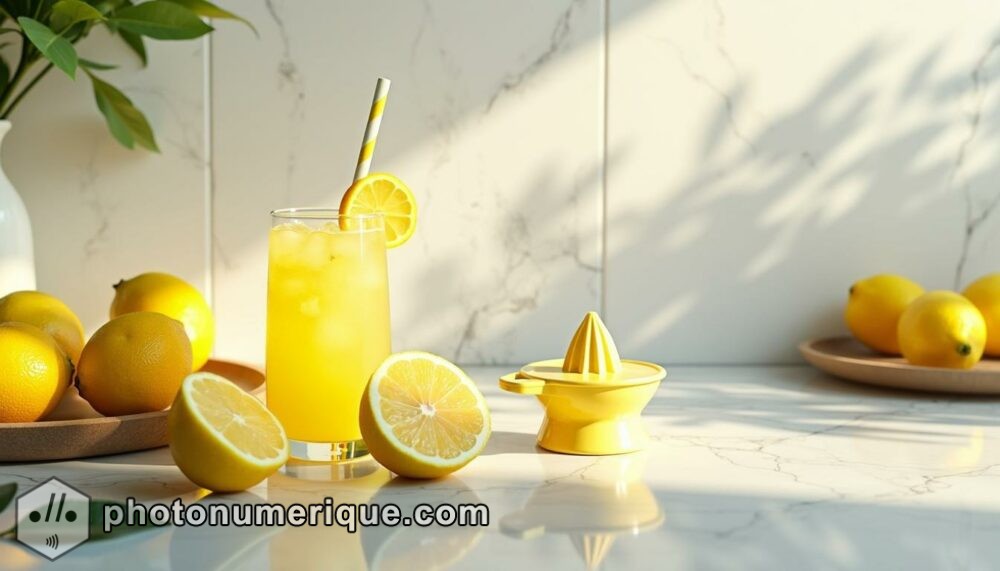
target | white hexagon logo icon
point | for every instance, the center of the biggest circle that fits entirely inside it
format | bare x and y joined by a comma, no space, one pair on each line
53,518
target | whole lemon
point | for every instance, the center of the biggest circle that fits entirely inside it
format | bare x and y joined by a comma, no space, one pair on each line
173,297
874,305
942,329
34,373
47,313
134,363
984,293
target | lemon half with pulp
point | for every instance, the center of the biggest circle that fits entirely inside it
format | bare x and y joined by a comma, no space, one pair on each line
422,417
223,438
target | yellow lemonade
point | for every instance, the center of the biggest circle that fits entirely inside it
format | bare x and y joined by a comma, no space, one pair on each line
327,322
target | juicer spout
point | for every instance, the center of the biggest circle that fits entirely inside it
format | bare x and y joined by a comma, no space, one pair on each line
592,350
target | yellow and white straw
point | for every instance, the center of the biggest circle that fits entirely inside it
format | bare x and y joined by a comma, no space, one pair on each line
371,130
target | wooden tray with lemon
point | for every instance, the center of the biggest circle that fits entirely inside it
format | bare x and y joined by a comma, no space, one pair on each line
846,358
907,339
75,430
62,398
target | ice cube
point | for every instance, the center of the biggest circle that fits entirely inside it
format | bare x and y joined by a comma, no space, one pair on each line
316,250
347,245
288,238
290,285
310,306
331,228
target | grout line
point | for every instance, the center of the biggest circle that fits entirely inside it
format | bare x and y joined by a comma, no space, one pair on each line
605,47
208,167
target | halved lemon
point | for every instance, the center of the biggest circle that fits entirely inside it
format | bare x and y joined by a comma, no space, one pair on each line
223,438
422,417
385,194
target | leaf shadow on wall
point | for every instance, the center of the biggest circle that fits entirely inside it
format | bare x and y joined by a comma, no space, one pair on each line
752,247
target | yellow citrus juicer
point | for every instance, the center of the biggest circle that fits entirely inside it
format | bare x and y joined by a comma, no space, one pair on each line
592,398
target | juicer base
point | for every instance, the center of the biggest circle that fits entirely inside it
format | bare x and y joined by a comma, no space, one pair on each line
615,436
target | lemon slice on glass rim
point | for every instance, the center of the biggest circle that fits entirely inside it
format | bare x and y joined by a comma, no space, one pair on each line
383,193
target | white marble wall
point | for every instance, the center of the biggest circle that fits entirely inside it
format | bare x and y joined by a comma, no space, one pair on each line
735,164
100,212
770,153
494,120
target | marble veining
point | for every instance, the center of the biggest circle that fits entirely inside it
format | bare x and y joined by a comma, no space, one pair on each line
101,212
290,78
91,197
749,161
975,214
731,163
508,236
560,32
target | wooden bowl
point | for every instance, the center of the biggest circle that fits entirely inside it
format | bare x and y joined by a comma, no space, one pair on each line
847,358
75,430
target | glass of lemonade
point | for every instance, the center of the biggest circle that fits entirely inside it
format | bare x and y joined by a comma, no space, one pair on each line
327,326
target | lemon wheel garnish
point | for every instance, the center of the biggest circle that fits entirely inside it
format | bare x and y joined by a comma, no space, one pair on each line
223,438
385,194
422,417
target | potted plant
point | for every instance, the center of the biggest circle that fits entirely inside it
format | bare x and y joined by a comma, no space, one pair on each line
43,34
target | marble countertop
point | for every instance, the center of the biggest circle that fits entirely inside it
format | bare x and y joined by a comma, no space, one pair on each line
750,468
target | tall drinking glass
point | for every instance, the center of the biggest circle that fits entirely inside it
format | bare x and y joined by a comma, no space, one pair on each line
327,326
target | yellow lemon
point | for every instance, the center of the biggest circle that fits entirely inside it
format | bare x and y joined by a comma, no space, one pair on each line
47,313
942,329
984,293
173,297
422,417
874,305
34,373
134,363
222,438
385,194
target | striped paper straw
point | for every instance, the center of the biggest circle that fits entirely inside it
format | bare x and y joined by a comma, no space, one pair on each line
371,130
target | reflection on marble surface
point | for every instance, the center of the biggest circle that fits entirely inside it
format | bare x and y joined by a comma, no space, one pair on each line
590,507
759,468
435,547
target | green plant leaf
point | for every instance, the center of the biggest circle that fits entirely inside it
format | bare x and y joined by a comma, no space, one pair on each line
136,43
161,20
54,47
89,64
105,6
7,492
4,80
65,13
127,124
17,8
206,9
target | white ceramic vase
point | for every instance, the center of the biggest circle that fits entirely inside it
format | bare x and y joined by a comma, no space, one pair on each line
17,258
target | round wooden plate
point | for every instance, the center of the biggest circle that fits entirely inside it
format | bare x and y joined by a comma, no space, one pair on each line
847,358
75,430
